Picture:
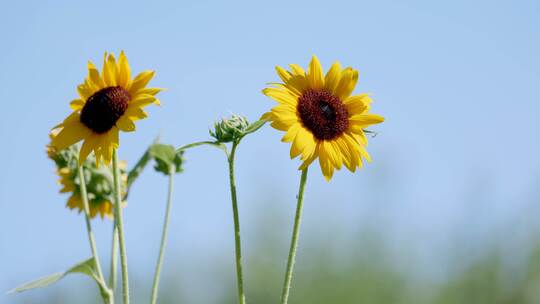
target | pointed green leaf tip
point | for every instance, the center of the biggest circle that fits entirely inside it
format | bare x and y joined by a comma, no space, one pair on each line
87,267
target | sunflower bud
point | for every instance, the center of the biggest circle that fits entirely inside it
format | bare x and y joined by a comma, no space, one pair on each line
230,129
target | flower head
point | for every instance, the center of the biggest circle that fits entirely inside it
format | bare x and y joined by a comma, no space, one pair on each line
109,102
99,181
321,116
230,129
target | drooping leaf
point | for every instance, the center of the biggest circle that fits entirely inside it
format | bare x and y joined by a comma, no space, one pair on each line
87,267
164,155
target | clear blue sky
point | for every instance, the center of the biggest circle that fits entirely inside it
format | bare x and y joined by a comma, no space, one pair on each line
458,83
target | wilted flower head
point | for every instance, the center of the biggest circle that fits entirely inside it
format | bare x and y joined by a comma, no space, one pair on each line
99,181
230,129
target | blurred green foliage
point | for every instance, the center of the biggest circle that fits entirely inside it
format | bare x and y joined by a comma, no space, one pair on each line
365,275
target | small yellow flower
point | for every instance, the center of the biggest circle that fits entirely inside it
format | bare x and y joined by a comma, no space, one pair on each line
321,117
108,102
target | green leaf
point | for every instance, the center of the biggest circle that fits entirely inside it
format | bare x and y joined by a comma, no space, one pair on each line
165,153
254,127
86,267
168,160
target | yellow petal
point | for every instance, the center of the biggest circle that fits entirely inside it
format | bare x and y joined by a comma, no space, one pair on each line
70,135
366,120
266,116
297,70
150,91
311,158
291,133
93,75
333,154
87,147
332,77
280,96
348,156
97,153
84,91
324,160
124,71
143,100
125,124
297,84
346,84
304,141
284,110
355,147
295,149
295,87
106,148
285,118
113,137
357,104
315,74
76,104
283,125
135,113
140,81
109,70
283,74
365,153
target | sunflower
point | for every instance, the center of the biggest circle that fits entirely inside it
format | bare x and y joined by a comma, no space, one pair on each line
99,190
109,102
320,116
99,183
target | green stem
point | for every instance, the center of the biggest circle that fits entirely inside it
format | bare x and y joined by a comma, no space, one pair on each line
163,240
120,226
196,144
238,250
113,277
106,294
294,240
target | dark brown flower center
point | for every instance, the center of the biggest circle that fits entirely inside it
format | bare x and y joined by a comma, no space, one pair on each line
323,114
103,109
